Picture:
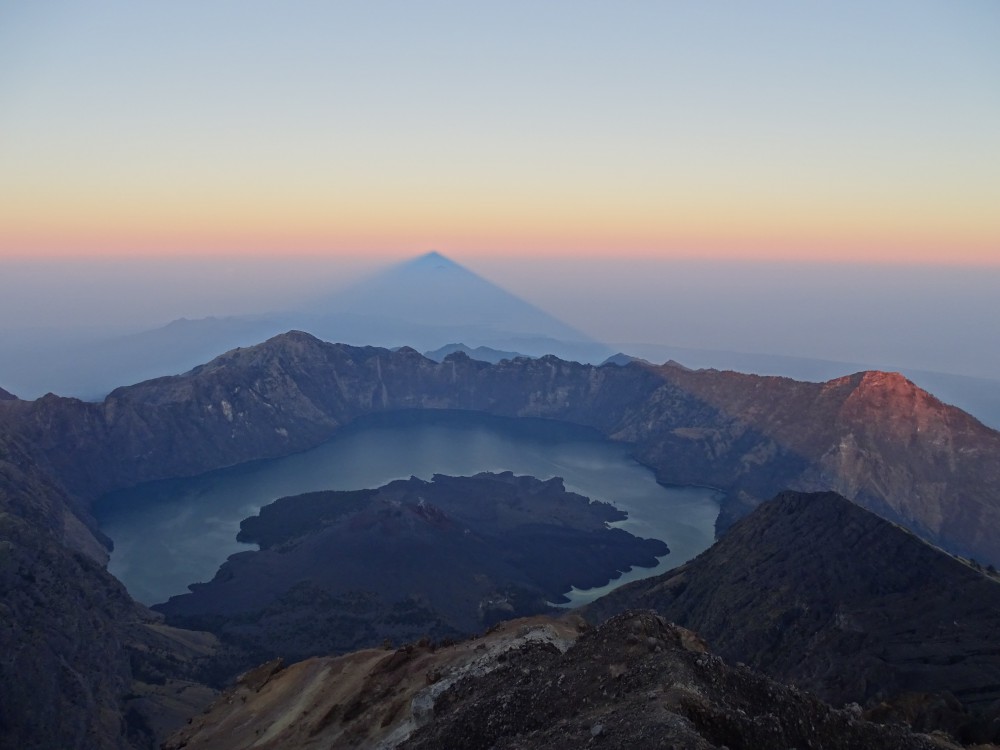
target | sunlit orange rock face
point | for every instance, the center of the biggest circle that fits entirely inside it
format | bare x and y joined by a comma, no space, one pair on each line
874,437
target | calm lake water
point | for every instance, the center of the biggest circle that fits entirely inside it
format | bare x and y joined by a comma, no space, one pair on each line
172,533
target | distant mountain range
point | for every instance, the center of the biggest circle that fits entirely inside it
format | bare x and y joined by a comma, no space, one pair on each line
480,353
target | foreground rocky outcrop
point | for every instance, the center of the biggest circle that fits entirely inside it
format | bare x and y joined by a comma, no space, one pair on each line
370,698
338,571
813,590
637,681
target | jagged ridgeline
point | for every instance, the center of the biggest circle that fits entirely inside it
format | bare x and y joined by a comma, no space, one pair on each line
873,437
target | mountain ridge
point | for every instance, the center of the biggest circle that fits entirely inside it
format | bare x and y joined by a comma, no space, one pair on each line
877,439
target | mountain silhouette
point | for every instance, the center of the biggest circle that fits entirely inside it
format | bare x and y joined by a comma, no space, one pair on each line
431,301
434,290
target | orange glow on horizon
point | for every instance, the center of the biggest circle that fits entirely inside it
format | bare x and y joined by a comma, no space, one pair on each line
575,223
182,244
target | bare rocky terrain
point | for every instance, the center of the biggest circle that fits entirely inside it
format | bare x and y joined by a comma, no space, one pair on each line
637,681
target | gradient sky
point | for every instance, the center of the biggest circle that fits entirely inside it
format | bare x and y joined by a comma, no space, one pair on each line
767,130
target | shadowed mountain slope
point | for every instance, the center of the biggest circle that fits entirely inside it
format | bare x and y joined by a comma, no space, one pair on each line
812,589
83,665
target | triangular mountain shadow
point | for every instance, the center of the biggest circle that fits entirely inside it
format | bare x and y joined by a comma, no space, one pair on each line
431,301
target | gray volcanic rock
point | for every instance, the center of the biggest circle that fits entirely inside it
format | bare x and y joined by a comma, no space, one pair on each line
366,699
640,682
344,570
814,590
635,682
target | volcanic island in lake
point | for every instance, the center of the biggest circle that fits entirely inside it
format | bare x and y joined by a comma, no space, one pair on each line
339,570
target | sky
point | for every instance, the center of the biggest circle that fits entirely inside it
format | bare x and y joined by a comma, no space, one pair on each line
815,179
816,132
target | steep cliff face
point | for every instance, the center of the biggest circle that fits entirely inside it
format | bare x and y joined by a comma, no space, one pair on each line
814,590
